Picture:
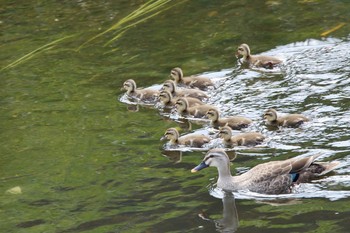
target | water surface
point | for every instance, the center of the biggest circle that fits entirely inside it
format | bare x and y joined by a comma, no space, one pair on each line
84,163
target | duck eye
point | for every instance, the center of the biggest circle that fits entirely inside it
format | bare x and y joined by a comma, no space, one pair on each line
240,49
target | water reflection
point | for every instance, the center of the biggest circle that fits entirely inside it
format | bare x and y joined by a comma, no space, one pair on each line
229,221
133,107
174,156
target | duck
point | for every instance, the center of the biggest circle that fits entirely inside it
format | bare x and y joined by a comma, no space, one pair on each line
234,122
168,101
198,111
201,83
170,85
290,120
192,140
256,60
242,139
140,94
274,177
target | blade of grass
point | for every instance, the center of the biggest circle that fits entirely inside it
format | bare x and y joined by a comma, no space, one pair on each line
137,22
35,52
143,10
326,33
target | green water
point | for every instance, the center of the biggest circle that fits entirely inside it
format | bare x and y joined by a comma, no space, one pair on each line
86,164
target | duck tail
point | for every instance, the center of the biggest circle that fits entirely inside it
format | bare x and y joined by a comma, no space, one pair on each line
316,169
327,166
300,164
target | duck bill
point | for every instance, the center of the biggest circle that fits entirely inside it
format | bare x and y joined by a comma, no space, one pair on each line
201,166
162,138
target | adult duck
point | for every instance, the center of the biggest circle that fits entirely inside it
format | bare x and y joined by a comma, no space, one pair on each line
275,177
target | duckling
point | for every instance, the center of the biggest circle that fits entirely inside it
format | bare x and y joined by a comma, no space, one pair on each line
242,139
291,120
183,108
234,122
275,177
141,94
256,60
168,101
192,81
170,86
192,140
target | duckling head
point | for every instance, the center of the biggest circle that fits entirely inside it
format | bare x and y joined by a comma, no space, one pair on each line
181,105
129,85
170,134
213,114
243,50
214,158
165,97
270,115
225,133
169,85
176,74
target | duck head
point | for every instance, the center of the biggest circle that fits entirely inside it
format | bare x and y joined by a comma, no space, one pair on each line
214,158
